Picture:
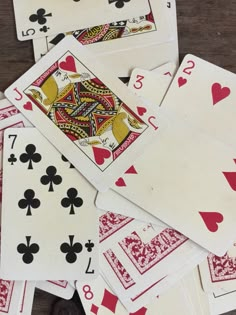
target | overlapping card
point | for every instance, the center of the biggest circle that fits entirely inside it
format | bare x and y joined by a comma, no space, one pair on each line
119,190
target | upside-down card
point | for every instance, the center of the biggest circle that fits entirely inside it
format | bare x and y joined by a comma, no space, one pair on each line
145,29
88,115
50,17
49,222
184,180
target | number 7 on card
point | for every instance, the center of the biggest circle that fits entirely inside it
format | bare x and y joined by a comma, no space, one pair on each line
89,116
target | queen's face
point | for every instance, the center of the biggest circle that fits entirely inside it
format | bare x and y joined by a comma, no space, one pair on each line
61,78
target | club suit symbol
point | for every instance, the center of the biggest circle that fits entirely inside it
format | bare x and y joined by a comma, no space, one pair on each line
40,17
118,3
51,178
30,156
71,249
72,200
12,159
44,29
29,201
28,250
89,246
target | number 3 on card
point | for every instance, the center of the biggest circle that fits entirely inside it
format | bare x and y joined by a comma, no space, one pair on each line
138,84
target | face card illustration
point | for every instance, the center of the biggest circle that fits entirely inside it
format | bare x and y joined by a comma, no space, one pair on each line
59,288
34,20
11,293
197,171
119,35
53,207
132,252
90,117
219,273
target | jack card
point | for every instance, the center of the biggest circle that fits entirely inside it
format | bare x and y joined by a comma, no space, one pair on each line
89,116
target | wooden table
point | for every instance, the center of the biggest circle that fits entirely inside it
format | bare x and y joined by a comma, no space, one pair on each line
206,28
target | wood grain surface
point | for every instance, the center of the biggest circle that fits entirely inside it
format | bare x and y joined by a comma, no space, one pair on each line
206,29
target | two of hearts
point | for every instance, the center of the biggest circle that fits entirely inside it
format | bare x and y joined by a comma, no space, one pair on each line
218,92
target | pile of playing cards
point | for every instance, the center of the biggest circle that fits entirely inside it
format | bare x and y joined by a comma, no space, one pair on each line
121,191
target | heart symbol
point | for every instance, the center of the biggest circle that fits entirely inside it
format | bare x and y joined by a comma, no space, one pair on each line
141,110
120,182
231,178
68,65
131,170
28,106
100,155
219,93
182,81
211,219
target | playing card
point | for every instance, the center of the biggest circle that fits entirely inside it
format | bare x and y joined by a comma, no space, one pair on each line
198,299
219,273
221,303
152,85
192,173
9,118
52,217
112,201
27,298
7,109
119,35
59,288
98,298
202,94
135,257
1,95
122,62
11,293
49,18
89,116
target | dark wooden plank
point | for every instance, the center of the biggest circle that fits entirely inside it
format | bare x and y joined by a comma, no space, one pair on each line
206,28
